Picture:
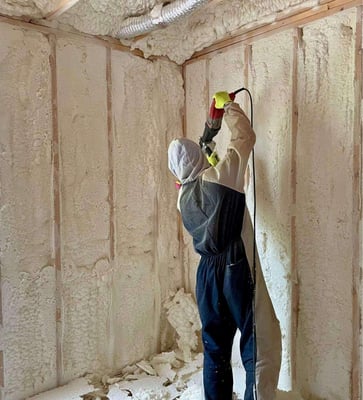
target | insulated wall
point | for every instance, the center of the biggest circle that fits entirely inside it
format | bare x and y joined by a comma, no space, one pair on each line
305,83
324,211
84,218
270,79
28,339
89,235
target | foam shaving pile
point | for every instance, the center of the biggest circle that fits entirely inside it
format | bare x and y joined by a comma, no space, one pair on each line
182,313
166,376
176,374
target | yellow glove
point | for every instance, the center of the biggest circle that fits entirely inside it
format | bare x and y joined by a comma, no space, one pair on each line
213,159
221,98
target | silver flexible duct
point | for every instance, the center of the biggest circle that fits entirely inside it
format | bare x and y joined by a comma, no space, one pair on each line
160,16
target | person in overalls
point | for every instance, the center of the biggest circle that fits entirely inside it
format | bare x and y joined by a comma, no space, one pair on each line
212,204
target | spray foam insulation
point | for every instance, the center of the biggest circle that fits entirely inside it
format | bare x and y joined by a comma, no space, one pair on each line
27,266
113,137
324,205
178,41
110,307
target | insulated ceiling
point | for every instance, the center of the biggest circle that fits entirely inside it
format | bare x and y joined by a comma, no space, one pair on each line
210,22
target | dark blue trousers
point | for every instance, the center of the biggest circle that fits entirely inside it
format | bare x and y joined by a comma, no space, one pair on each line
225,297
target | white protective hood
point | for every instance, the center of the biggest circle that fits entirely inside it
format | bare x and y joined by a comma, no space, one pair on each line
186,159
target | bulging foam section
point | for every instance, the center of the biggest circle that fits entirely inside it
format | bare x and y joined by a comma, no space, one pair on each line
182,313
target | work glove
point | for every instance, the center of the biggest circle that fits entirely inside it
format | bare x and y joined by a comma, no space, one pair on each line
213,125
222,98
210,153
216,111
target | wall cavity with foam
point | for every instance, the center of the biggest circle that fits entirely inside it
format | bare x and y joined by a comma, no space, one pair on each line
303,87
87,257
324,213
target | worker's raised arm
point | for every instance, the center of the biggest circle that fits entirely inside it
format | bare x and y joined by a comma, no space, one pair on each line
231,169
243,137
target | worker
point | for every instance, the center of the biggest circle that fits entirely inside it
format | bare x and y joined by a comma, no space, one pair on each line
212,203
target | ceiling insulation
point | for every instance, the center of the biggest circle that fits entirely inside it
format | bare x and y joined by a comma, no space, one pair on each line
27,8
210,22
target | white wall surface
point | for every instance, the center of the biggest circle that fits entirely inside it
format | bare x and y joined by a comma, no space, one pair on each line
108,292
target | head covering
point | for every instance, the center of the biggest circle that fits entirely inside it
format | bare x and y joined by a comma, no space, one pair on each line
186,159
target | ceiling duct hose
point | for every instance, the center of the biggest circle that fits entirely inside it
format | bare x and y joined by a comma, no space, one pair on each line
160,16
